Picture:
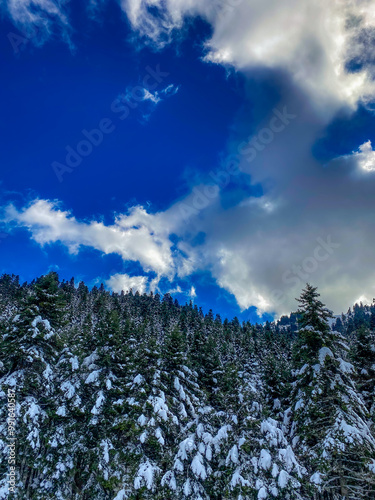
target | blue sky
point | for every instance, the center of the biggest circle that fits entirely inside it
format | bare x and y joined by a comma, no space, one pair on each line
230,158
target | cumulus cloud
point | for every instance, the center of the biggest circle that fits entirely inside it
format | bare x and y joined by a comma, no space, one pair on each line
319,229
137,236
365,156
313,223
314,42
119,282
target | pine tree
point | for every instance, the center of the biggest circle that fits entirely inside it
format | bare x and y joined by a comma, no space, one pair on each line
48,298
363,356
329,419
188,466
30,346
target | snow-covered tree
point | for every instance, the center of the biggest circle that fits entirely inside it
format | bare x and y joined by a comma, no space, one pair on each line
329,421
363,356
29,347
130,397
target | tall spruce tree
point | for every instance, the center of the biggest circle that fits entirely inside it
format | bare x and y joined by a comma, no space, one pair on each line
363,356
328,417
30,345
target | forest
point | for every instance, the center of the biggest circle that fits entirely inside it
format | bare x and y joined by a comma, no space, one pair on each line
130,396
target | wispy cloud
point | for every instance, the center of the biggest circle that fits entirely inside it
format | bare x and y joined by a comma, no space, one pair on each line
37,20
150,98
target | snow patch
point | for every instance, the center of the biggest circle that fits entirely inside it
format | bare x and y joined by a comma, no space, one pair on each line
138,379
265,460
98,403
146,472
316,478
283,479
346,367
323,353
74,362
232,455
262,493
93,377
61,411
198,467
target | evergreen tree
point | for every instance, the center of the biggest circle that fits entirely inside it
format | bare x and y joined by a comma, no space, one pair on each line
130,397
363,356
29,347
329,419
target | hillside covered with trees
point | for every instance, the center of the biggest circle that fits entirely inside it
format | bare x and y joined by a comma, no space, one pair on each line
129,396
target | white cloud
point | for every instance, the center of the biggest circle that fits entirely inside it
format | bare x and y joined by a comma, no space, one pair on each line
365,157
148,96
261,250
318,231
311,41
137,236
170,89
149,99
38,19
158,96
119,282
178,290
364,300
175,290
